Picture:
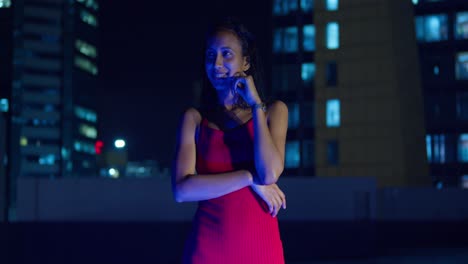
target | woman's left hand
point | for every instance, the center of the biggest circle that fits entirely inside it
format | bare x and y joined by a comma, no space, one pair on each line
244,85
272,195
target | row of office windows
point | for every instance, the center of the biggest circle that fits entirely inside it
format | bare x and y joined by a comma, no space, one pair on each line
435,27
294,155
285,7
85,114
286,40
290,76
440,149
332,118
85,63
447,148
446,107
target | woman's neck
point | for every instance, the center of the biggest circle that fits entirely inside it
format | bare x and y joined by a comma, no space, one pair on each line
226,99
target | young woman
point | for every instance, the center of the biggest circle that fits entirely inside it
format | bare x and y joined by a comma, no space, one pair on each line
229,156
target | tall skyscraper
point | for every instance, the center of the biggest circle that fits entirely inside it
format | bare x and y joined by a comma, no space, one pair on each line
49,54
349,71
442,37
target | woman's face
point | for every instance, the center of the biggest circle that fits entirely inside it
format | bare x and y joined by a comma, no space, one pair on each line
224,59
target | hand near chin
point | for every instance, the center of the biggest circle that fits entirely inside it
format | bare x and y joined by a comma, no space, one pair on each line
273,197
244,86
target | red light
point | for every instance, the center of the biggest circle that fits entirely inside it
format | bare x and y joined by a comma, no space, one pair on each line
98,147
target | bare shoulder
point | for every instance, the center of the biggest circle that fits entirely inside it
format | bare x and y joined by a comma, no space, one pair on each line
191,115
278,109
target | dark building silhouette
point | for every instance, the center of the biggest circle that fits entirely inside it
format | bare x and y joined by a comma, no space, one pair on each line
49,74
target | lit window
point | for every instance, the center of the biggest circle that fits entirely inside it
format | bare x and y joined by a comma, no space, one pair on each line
5,3
436,70
88,131
86,48
463,148
309,37
332,5
333,113
88,18
332,152
289,6
294,117
283,7
464,182
461,25
85,114
431,28
333,35
292,158
23,141
48,159
429,148
86,65
461,66
439,149
90,4
277,9
308,72
4,105
290,39
307,5
84,147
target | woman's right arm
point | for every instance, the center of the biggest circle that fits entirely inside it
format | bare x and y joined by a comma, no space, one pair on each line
189,186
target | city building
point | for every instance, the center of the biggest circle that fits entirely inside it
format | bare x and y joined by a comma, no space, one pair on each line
49,74
349,73
442,36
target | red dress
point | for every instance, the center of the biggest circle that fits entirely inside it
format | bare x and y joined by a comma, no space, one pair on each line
234,228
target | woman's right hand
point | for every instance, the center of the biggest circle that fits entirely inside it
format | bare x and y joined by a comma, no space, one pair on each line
273,197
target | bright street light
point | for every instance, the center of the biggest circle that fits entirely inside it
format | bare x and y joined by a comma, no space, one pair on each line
119,143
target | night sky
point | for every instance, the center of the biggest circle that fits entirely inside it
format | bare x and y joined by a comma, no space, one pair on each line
150,54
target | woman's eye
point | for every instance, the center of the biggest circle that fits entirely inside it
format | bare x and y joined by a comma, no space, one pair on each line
227,54
210,55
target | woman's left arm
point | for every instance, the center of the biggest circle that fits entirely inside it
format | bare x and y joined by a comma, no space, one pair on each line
270,130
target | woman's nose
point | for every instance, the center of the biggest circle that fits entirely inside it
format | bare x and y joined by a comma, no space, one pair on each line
219,61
